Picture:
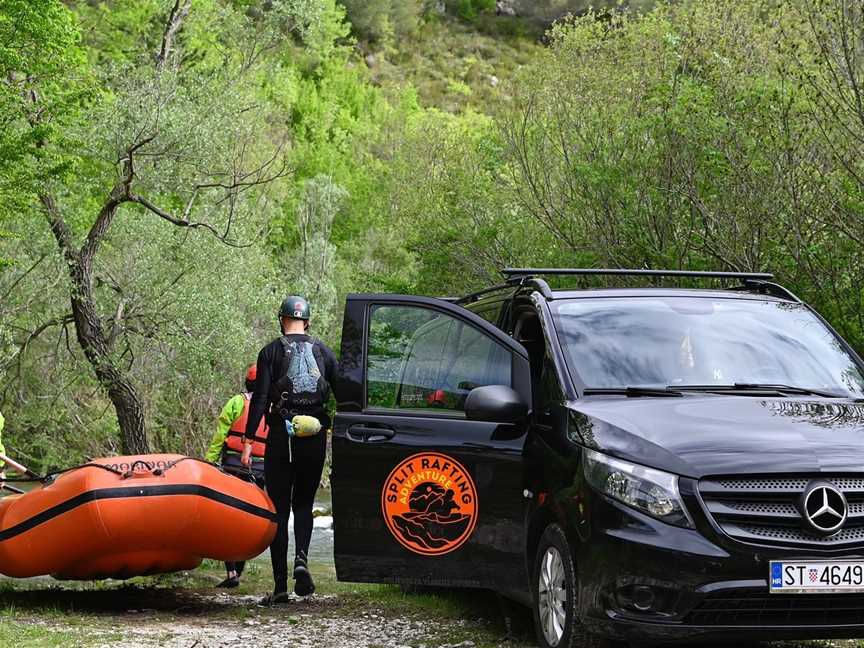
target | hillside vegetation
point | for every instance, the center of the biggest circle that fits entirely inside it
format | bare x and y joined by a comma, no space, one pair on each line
169,169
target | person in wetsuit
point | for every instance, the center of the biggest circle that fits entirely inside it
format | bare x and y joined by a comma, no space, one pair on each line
226,448
294,374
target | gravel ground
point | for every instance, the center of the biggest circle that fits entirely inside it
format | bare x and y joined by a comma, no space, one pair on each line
318,622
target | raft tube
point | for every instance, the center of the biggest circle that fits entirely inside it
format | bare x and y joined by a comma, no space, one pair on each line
120,517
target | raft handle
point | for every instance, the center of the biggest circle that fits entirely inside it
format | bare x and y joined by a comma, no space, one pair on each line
148,467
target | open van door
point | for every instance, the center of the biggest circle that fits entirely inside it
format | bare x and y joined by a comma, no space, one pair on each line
428,442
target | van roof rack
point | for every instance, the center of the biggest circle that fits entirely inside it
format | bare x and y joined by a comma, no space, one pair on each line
767,288
511,283
511,273
758,282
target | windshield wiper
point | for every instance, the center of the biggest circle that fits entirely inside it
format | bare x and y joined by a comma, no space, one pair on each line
632,392
761,387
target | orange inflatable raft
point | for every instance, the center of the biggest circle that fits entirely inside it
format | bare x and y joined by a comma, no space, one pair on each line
130,516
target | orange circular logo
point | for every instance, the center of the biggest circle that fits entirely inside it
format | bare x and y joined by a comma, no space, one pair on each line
430,503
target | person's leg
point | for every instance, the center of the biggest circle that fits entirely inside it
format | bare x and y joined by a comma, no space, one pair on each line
232,578
307,478
279,484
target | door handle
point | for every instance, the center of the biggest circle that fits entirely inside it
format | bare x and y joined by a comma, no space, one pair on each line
366,434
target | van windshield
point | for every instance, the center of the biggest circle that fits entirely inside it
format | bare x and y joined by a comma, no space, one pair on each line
679,341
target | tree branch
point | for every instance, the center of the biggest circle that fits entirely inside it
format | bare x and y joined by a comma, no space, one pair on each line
179,222
59,228
172,26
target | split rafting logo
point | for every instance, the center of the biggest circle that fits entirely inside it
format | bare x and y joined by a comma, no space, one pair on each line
430,504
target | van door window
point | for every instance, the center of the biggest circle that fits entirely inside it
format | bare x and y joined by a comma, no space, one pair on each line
491,312
420,359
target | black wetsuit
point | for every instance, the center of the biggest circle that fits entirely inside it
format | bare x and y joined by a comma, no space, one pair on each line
292,465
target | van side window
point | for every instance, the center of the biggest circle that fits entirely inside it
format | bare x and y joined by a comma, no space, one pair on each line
489,311
421,359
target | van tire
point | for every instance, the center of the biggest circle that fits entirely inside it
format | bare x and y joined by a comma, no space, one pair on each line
553,565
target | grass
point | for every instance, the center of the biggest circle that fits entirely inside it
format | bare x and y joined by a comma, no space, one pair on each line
455,65
29,636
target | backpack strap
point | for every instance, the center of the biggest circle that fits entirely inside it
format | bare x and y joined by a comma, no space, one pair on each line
279,384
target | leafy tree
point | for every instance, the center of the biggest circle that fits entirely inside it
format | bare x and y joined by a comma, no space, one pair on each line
39,53
177,142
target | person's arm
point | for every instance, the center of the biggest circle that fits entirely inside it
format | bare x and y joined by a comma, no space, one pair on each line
332,367
258,404
230,413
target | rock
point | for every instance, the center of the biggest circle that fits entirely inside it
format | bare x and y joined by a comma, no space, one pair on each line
371,59
505,8
323,522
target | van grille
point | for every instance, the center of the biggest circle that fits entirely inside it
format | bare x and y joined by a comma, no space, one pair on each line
765,510
758,608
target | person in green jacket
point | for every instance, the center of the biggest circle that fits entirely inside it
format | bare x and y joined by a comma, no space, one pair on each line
226,448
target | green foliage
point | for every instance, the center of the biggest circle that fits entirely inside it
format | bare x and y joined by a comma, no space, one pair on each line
470,9
454,65
721,135
699,135
39,56
185,313
383,20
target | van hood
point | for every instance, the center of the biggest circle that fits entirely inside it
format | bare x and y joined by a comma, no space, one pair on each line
700,435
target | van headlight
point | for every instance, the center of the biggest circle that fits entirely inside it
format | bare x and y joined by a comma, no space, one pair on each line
649,490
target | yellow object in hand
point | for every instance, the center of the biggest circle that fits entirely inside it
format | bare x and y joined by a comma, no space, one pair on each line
305,426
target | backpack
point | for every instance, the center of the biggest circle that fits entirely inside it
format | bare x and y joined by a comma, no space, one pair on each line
302,386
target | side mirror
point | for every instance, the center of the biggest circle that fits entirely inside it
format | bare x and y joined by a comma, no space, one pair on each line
496,404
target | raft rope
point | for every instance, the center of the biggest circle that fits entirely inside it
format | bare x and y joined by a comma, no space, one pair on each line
51,476
156,472
249,474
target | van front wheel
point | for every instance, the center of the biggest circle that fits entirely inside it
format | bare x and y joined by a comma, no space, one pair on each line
554,594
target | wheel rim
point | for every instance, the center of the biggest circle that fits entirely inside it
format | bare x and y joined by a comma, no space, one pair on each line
552,596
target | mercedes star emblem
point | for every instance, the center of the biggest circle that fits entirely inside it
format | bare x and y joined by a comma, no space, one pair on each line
824,508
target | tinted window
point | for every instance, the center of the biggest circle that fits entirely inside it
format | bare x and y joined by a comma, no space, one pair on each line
663,341
489,311
422,359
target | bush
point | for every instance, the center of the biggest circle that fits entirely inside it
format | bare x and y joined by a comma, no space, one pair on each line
383,20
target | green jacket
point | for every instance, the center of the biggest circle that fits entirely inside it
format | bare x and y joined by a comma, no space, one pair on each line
231,412
2,449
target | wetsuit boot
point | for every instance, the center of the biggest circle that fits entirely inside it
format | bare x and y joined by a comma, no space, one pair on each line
303,584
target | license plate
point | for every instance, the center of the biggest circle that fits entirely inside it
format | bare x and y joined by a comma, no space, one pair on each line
816,577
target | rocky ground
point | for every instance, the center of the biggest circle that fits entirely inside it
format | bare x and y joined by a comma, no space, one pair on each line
313,623
185,611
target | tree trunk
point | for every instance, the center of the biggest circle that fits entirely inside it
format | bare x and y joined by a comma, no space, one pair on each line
88,326
91,336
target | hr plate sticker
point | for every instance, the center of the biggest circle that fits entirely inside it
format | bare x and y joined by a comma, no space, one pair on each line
430,504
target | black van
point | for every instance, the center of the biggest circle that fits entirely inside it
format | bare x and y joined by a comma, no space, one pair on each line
642,465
